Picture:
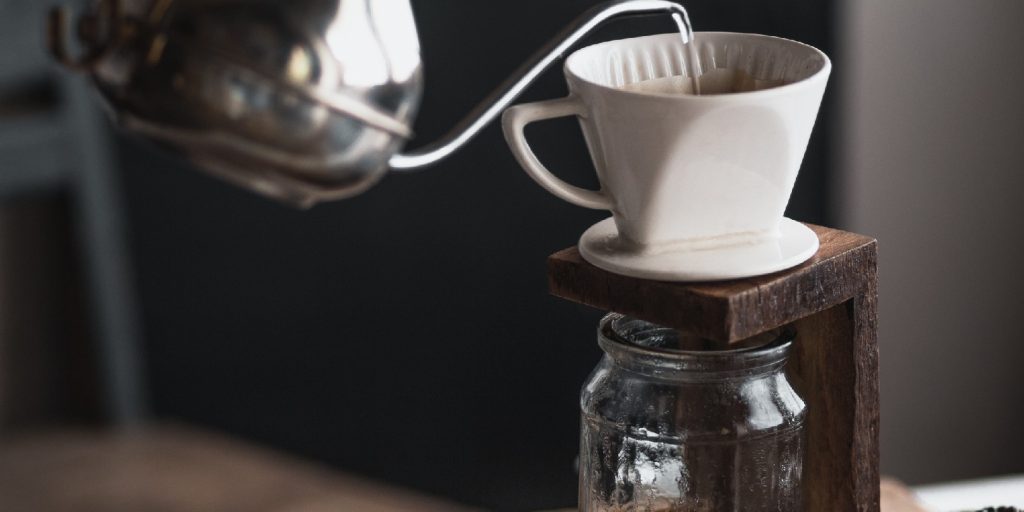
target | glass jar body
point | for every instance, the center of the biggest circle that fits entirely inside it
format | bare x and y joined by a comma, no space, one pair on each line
676,430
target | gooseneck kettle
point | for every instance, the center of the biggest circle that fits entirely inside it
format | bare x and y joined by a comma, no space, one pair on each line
299,100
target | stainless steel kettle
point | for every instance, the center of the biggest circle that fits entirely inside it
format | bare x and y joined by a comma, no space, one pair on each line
300,100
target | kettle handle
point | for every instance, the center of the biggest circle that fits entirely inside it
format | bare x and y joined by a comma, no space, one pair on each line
495,103
96,44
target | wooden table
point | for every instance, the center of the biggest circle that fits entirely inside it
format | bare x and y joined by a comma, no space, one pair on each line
174,469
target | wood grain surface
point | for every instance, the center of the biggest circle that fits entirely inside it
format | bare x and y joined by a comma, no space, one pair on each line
727,310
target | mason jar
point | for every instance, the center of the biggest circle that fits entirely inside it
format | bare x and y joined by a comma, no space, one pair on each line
668,425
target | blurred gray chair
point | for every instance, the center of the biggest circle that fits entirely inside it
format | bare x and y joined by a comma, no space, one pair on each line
54,140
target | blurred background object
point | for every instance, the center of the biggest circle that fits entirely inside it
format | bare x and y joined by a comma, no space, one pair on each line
969,494
68,316
897,498
931,148
406,335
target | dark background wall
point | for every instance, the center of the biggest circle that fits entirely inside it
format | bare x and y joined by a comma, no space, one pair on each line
406,334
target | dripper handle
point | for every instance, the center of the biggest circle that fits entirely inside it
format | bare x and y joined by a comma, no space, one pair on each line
522,78
514,122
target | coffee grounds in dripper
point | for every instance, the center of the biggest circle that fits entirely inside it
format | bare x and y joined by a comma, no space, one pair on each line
713,81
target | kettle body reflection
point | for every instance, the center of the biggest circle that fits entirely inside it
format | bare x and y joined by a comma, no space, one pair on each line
302,100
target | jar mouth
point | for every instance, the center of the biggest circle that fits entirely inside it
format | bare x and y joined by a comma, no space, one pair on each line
637,343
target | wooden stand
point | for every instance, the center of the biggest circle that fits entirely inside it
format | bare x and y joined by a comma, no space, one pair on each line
831,301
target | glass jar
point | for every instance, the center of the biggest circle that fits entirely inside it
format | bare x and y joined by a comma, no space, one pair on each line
667,426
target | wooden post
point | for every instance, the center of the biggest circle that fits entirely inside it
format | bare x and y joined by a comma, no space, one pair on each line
830,299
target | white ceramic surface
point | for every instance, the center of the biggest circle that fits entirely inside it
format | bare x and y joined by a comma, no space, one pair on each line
600,245
682,173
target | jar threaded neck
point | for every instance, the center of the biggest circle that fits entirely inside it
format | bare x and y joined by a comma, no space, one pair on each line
651,349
